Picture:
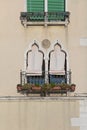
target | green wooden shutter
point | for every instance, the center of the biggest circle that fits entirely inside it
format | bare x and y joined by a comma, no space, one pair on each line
36,9
35,5
56,5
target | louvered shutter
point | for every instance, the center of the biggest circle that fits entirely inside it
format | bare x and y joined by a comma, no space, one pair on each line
35,5
37,8
56,6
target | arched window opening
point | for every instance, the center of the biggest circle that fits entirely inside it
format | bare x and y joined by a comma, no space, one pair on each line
35,65
57,65
42,67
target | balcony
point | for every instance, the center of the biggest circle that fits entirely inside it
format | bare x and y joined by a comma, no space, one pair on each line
35,83
44,18
45,77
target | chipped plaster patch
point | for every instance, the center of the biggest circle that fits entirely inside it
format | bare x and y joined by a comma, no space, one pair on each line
82,120
83,41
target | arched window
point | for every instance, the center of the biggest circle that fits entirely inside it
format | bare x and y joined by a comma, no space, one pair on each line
35,65
41,67
57,65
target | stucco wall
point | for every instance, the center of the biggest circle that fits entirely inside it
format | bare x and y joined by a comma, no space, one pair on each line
14,40
82,120
38,114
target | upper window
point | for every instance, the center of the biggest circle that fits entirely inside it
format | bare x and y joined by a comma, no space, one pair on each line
52,7
45,5
51,12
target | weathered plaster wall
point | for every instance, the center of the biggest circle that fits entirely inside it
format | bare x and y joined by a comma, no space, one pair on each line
41,114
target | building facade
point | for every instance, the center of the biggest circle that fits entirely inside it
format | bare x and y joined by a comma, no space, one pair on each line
22,31
43,41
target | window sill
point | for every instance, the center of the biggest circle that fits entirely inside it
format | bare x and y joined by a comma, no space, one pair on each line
53,23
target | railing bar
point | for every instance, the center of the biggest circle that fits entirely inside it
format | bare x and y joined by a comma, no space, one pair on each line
30,16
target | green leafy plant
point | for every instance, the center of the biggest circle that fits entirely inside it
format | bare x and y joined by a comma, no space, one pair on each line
27,86
46,88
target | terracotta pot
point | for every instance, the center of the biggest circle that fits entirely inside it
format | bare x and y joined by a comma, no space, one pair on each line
36,88
56,88
19,87
73,86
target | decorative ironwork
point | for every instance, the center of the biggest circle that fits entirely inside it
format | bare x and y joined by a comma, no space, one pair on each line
40,79
50,17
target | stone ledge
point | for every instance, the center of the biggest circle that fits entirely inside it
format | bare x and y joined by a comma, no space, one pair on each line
43,98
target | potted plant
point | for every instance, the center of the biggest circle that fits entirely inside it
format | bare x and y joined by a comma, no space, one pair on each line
27,86
45,89
36,88
19,88
56,87
72,88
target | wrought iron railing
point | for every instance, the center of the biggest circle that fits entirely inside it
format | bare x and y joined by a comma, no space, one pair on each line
41,79
44,16
58,79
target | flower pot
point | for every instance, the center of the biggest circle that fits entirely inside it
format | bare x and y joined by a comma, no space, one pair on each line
56,88
73,86
36,89
19,88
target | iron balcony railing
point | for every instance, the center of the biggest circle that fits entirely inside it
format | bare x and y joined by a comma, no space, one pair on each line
41,17
41,79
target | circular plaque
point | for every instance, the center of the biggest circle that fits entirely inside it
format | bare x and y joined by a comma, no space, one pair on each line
46,43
